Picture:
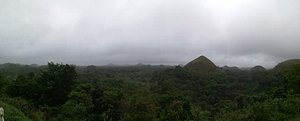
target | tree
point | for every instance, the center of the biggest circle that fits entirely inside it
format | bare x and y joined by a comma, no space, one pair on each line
55,83
79,105
293,78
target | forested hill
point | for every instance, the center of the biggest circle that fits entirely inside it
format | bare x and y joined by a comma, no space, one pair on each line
199,91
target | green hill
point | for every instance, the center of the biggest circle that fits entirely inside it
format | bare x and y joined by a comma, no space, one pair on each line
13,114
258,69
201,64
231,69
285,65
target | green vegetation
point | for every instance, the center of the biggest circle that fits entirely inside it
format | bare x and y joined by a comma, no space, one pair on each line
12,113
287,64
62,92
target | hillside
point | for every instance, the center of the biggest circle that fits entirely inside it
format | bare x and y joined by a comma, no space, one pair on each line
201,64
258,68
285,65
231,69
13,114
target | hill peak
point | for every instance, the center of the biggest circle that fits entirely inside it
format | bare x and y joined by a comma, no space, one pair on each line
202,57
258,68
202,64
232,69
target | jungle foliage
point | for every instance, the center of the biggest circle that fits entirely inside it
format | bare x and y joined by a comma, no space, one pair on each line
62,92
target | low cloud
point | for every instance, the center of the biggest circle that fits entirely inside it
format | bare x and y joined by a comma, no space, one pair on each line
233,32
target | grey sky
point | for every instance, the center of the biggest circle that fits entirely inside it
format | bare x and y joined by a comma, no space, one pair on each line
229,32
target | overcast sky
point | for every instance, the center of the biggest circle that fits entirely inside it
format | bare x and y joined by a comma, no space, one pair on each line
229,32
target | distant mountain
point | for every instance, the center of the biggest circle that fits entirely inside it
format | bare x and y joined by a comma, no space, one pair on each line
285,65
111,64
231,69
201,64
258,68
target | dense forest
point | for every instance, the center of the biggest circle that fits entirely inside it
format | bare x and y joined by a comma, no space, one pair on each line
198,91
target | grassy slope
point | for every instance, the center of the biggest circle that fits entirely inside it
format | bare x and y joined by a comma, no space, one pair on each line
13,114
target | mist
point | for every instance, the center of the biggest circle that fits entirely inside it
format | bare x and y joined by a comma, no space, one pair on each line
233,32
